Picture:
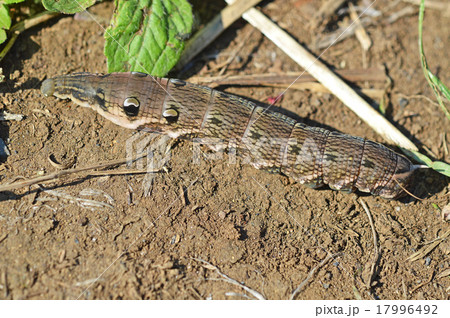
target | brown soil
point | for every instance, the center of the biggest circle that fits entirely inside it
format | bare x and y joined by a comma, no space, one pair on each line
258,228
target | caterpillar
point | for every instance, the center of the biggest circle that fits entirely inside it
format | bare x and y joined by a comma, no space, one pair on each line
275,142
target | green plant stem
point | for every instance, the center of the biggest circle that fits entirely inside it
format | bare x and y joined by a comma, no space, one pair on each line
25,25
423,60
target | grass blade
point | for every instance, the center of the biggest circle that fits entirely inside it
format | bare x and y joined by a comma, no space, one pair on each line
426,70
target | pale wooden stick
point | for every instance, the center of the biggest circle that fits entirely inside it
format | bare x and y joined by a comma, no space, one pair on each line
330,80
213,29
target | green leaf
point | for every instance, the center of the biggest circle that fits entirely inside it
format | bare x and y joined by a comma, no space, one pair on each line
439,166
67,6
147,35
436,207
12,1
2,36
5,20
417,156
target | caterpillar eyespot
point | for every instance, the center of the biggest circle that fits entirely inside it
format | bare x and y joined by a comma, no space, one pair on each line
131,106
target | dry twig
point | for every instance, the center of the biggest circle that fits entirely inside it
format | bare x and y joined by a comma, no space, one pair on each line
311,274
227,279
58,174
85,203
406,11
360,32
430,279
428,247
376,256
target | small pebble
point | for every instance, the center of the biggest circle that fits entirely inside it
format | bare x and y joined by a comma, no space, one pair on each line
273,56
428,261
314,101
222,215
327,96
403,102
175,239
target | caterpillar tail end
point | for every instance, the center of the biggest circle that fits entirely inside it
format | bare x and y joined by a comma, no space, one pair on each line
402,179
